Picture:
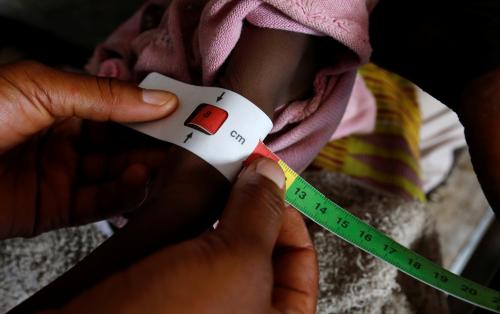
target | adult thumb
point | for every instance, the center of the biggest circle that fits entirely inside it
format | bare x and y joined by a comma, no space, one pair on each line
34,96
254,213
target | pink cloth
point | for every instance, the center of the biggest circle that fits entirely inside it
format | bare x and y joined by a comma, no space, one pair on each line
195,38
360,114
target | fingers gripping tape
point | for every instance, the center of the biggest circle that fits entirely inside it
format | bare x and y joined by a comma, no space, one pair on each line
218,125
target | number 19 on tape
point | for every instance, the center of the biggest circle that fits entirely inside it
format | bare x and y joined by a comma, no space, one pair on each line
313,204
222,136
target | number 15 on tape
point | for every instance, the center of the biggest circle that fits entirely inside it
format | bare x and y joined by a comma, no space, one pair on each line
313,204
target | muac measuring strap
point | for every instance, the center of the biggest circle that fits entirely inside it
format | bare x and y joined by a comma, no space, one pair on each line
213,123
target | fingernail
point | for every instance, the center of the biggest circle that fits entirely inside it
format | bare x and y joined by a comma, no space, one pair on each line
159,98
272,171
250,167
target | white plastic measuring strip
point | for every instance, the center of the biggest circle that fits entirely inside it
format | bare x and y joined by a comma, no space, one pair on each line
231,145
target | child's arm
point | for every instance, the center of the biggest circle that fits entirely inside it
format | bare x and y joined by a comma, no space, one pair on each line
269,67
273,67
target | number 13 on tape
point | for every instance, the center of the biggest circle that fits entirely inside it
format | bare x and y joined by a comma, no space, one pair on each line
313,204
213,124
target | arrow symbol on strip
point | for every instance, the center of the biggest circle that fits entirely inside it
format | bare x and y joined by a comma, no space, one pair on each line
221,96
188,137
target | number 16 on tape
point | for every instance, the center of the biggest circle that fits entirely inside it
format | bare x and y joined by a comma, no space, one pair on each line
313,204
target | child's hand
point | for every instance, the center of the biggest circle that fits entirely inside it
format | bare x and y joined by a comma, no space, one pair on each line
259,260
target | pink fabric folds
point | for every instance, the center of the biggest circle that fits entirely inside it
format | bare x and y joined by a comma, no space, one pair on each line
195,37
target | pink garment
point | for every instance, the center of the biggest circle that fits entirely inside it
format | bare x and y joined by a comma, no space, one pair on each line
360,114
195,38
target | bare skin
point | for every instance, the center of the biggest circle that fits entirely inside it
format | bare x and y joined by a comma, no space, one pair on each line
259,260
44,171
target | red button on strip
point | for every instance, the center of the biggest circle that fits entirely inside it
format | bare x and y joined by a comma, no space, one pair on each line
207,119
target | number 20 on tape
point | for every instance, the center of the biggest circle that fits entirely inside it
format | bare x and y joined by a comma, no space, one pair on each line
313,204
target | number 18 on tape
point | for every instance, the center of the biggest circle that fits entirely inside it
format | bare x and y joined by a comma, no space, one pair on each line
225,128
313,204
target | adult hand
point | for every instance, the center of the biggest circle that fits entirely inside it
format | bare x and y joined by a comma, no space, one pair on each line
47,178
260,259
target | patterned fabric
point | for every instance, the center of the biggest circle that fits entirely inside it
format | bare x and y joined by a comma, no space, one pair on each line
387,159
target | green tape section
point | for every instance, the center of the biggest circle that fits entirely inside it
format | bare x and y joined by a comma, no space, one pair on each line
334,218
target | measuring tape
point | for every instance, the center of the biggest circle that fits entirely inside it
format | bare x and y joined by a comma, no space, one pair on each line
213,124
317,207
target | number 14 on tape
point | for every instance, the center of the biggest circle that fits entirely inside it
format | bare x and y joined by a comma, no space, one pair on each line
313,204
